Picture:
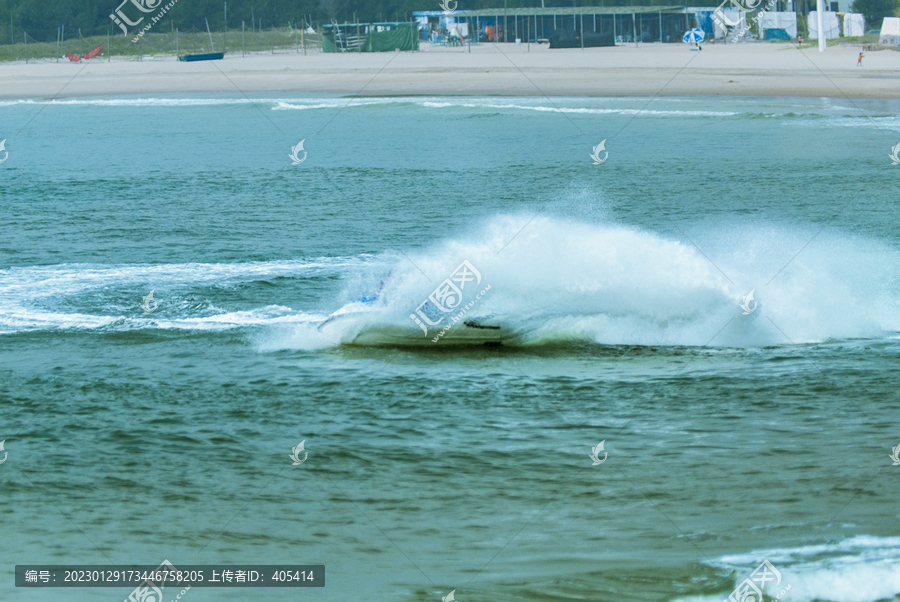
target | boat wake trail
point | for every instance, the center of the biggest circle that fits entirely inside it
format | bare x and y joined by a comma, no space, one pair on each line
528,281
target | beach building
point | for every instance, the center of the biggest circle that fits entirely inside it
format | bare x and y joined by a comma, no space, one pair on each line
603,26
620,23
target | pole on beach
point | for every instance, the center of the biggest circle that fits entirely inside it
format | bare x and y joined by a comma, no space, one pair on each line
242,38
634,28
57,44
209,33
660,26
176,40
582,32
225,31
528,30
108,49
820,19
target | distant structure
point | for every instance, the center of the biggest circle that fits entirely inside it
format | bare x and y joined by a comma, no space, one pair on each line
830,22
890,32
586,26
598,24
370,37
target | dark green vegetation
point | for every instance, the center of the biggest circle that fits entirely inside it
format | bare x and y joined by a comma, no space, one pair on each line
163,40
46,20
41,18
876,10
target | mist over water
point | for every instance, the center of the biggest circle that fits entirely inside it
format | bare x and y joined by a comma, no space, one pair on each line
732,437
561,280
553,280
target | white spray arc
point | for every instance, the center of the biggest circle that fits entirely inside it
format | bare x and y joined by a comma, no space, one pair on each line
565,280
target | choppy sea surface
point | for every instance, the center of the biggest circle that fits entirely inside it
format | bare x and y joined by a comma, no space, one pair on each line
735,429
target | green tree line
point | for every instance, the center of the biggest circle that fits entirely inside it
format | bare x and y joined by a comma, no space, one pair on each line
876,10
42,18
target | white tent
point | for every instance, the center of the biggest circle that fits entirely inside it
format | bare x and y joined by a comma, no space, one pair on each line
780,20
854,24
890,32
832,27
731,17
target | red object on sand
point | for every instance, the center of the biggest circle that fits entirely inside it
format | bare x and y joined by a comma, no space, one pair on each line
77,57
94,52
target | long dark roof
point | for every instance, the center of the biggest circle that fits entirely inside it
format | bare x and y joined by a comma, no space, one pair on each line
558,11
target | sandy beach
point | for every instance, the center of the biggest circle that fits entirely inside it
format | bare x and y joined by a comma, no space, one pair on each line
493,69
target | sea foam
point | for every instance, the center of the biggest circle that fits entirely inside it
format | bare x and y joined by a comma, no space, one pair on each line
558,280
858,569
552,280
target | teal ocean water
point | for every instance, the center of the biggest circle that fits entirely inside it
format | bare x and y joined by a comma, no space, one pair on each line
736,430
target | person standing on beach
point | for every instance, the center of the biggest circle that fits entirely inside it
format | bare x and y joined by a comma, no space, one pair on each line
799,39
859,60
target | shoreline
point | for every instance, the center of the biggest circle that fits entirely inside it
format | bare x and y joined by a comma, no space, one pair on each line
747,69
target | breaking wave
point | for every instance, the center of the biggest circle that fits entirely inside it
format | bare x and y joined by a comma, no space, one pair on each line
810,112
860,569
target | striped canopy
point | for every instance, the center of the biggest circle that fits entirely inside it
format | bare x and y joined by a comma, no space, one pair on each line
694,36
